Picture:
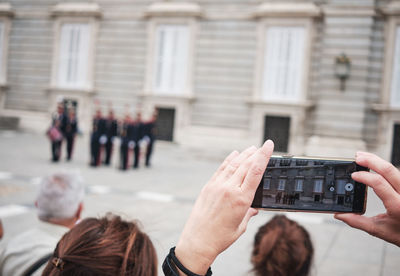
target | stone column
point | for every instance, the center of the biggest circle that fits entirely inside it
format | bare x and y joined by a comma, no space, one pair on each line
340,114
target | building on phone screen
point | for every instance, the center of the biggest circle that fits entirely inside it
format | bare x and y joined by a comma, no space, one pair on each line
308,184
319,77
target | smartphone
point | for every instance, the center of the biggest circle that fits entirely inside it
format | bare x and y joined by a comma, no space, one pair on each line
311,185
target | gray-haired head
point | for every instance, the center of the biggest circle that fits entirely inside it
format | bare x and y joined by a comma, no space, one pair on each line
59,196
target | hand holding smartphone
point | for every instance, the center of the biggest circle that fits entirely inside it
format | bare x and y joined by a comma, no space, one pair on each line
311,185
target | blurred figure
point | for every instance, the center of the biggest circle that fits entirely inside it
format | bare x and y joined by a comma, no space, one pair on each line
136,135
1,230
124,147
105,246
282,247
149,136
59,204
111,131
71,129
98,138
55,135
56,132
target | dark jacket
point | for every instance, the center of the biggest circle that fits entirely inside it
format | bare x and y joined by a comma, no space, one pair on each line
71,127
111,128
135,131
98,127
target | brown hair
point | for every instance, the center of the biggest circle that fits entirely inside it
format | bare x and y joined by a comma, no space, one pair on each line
282,247
105,246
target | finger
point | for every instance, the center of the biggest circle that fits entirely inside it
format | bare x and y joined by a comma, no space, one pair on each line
234,164
382,167
222,167
380,186
257,169
357,221
241,172
251,212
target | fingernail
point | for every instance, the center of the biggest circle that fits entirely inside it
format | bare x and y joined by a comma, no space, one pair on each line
269,141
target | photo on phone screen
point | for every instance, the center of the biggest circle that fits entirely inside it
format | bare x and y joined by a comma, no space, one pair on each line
309,184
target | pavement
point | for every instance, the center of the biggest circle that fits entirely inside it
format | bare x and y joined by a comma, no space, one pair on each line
161,198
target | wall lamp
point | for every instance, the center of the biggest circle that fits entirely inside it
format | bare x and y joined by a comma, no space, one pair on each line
342,69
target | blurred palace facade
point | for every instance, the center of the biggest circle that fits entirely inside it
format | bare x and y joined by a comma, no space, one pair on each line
223,73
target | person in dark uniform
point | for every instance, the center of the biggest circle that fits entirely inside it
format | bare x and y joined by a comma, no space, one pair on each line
111,131
71,129
124,147
136,134
56,132
98,135
149,136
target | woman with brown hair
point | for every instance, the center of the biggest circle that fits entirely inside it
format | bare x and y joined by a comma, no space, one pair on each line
282,247
105,246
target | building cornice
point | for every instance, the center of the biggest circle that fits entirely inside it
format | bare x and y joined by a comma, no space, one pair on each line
77,91
176,9
346,11
287,10
6,10
393,8
379,107
77,9
182,98
284,104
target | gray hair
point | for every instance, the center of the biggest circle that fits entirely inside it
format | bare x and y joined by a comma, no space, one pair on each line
60,195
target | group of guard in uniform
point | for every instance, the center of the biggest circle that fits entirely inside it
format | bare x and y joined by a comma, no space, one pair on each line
64,126
133,134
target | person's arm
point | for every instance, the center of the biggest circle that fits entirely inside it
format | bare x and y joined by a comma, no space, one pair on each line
386,184
222,210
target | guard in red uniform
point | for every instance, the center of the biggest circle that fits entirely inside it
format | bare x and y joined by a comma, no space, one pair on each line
71,129
111,131
136,134
97,138
124,148
149,136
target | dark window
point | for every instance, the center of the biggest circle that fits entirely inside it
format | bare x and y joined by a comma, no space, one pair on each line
277,129
271,162
285,162
301,162
165,124
396,145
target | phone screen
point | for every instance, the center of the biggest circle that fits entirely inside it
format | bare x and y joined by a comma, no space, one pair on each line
308,184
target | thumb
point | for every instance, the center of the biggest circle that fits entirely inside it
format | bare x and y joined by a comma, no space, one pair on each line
251,212
357,221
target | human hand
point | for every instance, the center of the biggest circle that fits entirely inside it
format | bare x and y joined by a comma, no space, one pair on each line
222,210
386,184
